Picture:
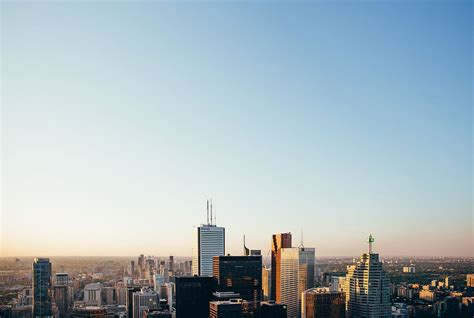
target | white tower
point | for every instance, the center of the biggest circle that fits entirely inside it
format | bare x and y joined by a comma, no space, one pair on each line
209,242
296,276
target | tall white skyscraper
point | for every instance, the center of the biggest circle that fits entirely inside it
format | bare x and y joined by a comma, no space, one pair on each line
367,287
296,276
209,242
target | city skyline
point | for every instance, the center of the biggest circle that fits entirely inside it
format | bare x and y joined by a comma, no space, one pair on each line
341,119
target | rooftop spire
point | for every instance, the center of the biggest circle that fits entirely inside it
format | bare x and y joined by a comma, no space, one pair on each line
302,244
370,240
246,250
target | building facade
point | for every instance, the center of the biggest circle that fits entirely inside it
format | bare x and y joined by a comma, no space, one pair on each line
42,288
296,276
225,309
193,295
323,303
145,299
279,241
61,299
273,310
266,282
210,242
239,274
367,288
93,294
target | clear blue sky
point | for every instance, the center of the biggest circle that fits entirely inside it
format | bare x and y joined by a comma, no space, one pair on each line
120,119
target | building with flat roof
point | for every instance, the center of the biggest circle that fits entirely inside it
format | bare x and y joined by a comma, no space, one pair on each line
279,241
193,295
296,276
225,309
42,288
323,303
239,274
145,299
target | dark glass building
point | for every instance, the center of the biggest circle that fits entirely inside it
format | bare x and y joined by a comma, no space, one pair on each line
42,288
239,274
272,310
193,295
129,300
225,309
6,312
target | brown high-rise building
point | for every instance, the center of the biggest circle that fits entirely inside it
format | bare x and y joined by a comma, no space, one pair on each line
279,241
321,302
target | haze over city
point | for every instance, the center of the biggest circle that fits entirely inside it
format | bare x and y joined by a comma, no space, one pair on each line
339,119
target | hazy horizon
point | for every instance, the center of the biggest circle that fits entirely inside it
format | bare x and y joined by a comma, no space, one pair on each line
342,119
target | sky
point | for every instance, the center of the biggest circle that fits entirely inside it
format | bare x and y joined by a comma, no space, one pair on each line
335,118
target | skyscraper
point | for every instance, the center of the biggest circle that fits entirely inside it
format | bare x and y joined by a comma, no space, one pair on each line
210,242
323,303
145,299
61,299
367,287
141,265
279,241
42,288
61,293
239,274
296,276
129,299
193,295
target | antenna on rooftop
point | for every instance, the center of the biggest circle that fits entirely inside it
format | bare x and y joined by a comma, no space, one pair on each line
211,211
208,212
301,244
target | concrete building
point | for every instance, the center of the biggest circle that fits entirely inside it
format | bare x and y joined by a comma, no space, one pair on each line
145,299
93,294
108,296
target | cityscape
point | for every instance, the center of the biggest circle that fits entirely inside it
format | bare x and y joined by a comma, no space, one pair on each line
236,158
290,282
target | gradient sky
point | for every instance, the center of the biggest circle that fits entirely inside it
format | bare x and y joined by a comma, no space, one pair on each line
340,118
